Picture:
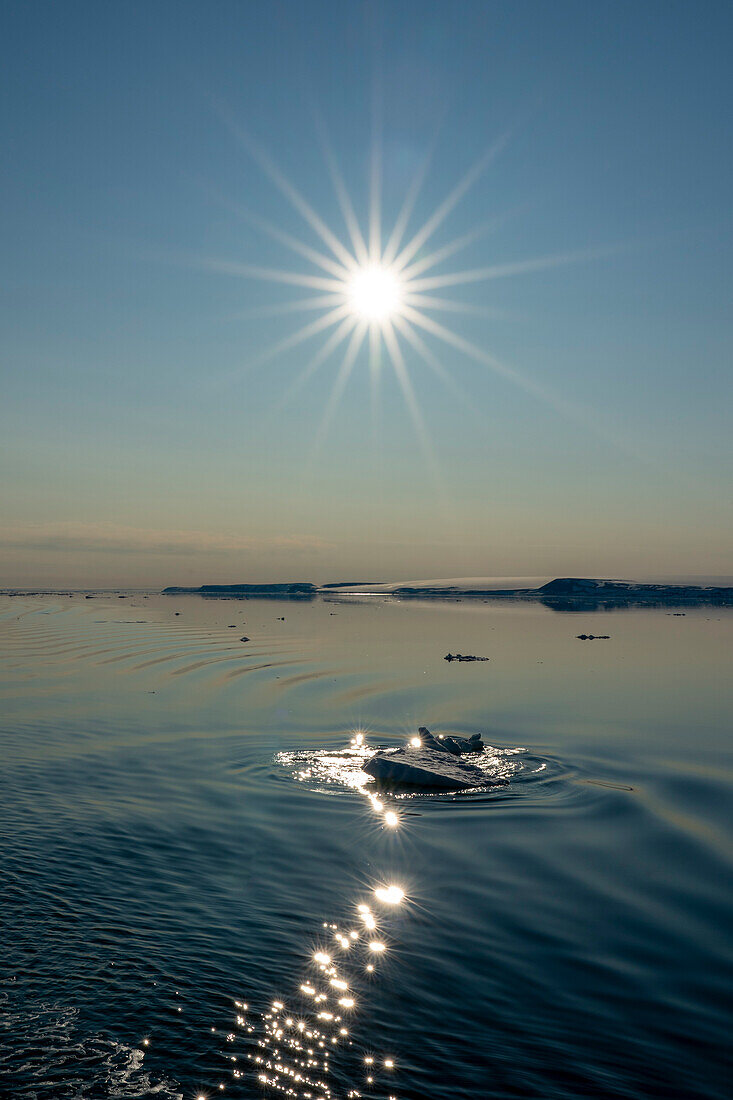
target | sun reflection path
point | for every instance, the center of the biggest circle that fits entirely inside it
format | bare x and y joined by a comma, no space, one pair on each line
297,1041
307,1046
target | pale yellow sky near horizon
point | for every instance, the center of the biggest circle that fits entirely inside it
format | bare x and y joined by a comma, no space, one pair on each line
64,554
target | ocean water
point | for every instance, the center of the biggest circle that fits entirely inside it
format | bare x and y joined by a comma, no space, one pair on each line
200,898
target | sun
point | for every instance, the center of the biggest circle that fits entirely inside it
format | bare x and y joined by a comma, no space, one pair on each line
374,293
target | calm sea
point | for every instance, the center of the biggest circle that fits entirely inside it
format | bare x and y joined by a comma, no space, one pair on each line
198,898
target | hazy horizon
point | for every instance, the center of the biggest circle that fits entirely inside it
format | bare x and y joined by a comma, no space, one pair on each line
498,582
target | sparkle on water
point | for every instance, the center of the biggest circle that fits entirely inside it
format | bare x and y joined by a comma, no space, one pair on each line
390,895
294,1044
324,769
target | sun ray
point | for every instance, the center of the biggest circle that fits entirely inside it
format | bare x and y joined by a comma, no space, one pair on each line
398,232
375,181
452,247
449,203
375,368
571,411
286,188
269,274
423,436
447,305
306,332
299,305
339,385
334,340
344,199
293,243
418,344
518,267
469,349
301,249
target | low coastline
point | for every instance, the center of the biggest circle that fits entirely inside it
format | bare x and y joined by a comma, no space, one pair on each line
562,593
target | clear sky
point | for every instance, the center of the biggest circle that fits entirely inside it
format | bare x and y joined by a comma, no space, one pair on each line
148,436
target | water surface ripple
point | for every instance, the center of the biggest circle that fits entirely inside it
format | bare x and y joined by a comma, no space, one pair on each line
201,896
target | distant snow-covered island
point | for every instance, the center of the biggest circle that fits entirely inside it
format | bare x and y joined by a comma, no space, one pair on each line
570,593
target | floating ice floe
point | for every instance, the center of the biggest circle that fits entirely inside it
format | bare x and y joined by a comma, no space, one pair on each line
432,763
328,769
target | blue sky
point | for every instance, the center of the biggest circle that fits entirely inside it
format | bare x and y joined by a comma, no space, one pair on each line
141,444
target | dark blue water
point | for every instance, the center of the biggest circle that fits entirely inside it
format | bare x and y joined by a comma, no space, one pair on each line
176,850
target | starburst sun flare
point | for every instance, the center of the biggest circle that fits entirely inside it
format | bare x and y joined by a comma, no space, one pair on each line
381,295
